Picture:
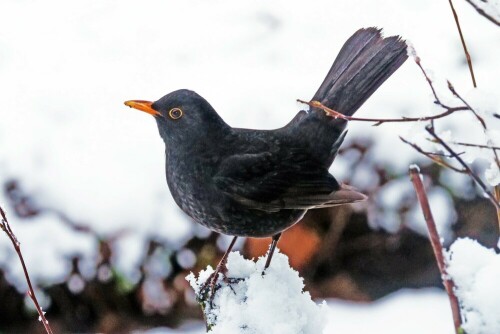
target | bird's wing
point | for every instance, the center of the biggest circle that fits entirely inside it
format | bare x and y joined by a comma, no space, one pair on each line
290,180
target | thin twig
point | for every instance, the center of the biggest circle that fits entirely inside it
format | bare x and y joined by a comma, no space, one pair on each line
433,158
436,246
494,148
497,196
483,124
5,226
483,13
473,175
467,55
454,92
431,85
378,121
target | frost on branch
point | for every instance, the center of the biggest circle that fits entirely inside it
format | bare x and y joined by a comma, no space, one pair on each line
475,271
272,303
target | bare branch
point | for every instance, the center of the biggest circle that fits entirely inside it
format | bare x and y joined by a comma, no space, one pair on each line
5,226
432,156
431,85
378,121
469,171
483,13
436,246
454,92
494,148
497,196
467,55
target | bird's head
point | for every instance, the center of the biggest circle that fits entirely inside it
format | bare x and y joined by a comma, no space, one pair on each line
181,115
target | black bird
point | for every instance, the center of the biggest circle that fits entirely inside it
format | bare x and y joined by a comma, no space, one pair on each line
258,183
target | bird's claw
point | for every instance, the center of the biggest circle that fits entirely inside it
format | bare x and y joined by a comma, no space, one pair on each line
210,286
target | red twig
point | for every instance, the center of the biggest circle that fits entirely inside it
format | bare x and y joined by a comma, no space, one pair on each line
378,121
436,245
497,196
467,55
5,226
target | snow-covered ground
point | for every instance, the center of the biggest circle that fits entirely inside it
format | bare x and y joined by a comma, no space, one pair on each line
66,68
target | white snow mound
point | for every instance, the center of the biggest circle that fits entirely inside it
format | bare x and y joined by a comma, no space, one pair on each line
273,303
475,271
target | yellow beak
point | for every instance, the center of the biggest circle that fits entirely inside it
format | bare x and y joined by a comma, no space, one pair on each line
142,106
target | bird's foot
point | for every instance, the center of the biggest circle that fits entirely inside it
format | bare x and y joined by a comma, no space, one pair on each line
209,288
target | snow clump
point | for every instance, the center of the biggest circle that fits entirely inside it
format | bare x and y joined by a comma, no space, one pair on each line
273,303
475,271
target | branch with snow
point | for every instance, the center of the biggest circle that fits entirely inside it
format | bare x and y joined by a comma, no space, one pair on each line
247,301
469,273
5,226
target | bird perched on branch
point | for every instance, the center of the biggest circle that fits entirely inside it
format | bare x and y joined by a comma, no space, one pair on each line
258,183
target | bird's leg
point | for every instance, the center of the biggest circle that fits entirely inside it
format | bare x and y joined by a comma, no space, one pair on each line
274,242
221,267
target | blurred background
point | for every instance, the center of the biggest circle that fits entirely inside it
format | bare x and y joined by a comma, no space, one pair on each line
82,176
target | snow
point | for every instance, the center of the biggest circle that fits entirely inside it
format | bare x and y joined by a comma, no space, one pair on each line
406,311
492,174
415,167
273,303
475,271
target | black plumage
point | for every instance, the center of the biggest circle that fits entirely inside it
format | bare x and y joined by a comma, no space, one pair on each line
258,183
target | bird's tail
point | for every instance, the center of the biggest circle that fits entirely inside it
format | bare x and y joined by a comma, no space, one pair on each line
363,64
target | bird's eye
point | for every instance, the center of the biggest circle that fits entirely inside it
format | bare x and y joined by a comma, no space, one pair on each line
175,113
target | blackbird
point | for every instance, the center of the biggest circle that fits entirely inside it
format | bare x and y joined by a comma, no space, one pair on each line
258,183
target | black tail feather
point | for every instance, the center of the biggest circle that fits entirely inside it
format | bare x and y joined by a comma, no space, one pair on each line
363,64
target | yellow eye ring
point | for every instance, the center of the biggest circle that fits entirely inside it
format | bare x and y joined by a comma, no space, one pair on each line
175,113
